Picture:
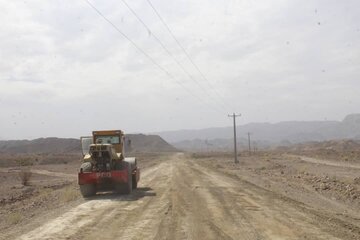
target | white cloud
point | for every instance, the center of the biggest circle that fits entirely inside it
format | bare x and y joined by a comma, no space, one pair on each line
66,71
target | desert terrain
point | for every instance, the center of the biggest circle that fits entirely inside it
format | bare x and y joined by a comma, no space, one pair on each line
268,195
188,83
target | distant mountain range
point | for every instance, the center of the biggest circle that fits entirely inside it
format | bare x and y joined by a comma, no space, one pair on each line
266,134
263,135
139,143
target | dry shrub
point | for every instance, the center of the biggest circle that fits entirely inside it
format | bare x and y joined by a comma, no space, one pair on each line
69,194
14,218
24,162
25,175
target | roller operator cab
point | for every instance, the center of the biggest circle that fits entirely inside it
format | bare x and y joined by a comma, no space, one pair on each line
104,166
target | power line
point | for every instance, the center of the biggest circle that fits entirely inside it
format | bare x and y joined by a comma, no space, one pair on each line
148,56
168,52
186,54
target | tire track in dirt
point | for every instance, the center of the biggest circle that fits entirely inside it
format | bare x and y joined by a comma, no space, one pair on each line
94,212
272,215
181,199
144,218
208,205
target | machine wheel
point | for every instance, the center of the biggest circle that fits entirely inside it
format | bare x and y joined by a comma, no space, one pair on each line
134,182
126,187
87,190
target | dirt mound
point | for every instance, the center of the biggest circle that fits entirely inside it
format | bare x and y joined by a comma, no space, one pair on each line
148,143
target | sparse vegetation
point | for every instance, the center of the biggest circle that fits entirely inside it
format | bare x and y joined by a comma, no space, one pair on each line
24,162
14,218
70,194
202,155
25,176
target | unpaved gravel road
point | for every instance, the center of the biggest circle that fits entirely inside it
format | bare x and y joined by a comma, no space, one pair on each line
183,199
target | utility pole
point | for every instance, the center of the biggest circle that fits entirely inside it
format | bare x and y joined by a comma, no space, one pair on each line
249,143
234,120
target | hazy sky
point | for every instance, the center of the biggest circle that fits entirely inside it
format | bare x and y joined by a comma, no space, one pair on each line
65,71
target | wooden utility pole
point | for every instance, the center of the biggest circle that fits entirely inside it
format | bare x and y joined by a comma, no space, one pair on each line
235,145
249,143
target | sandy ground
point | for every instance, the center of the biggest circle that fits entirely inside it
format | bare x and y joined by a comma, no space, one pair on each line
187,197
328,162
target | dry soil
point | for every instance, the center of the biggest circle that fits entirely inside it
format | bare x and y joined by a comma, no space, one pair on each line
203,197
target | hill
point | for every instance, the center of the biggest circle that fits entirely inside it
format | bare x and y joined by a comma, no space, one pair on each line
271,134
41,145
149,143
139,142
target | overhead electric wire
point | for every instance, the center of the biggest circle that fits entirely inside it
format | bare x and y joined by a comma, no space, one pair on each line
149,57
169,53
186,54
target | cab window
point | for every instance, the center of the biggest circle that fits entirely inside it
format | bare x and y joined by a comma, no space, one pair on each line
107,139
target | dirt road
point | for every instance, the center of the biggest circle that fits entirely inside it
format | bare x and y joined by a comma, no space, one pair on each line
183,199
